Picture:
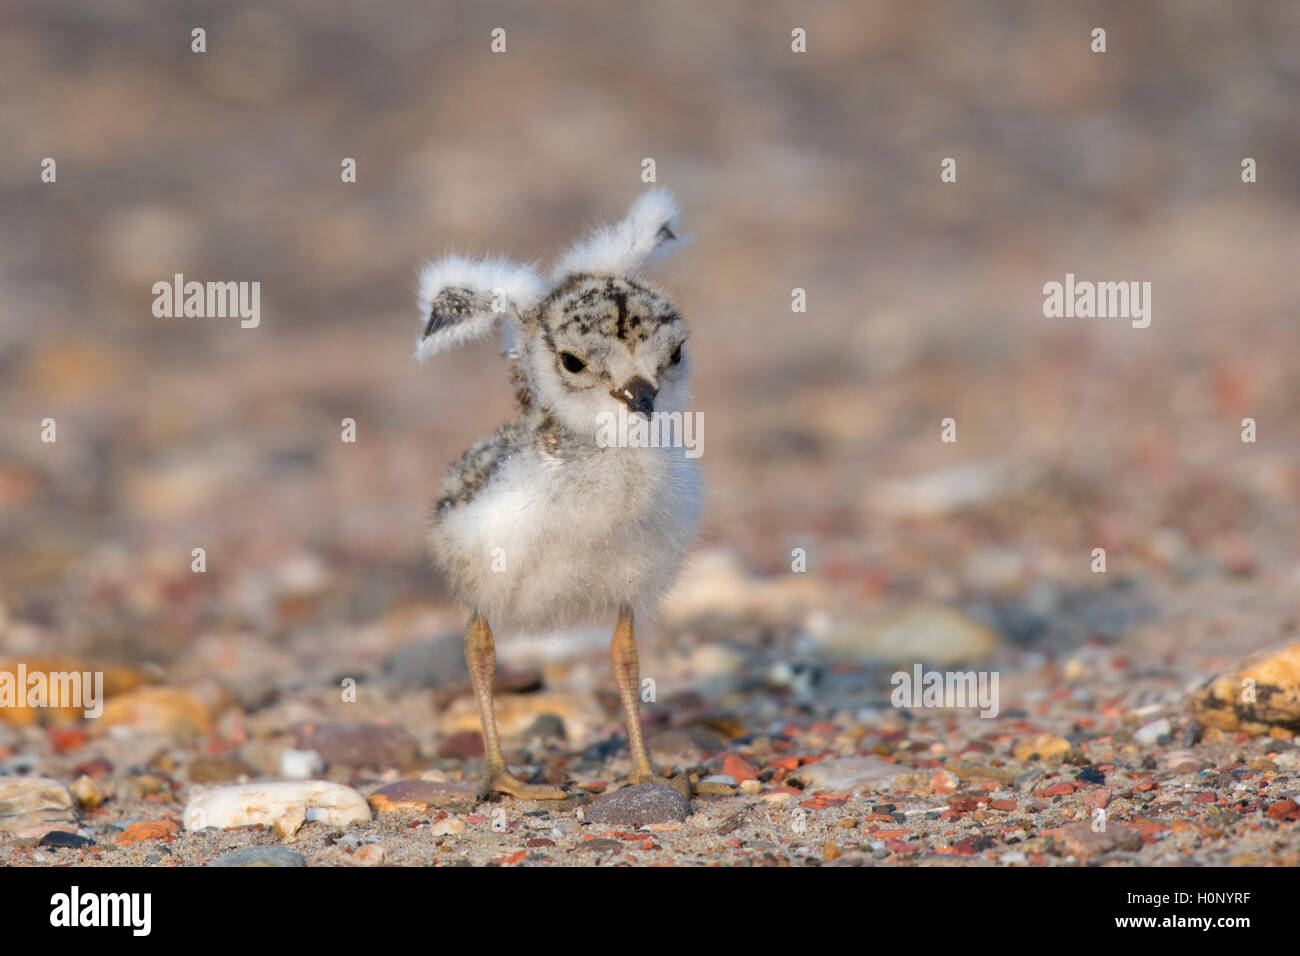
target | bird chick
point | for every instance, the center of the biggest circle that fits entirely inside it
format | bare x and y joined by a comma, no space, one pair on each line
544,525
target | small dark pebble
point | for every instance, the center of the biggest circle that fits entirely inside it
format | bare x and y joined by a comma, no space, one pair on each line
603,750
61,839
1091,775
547,726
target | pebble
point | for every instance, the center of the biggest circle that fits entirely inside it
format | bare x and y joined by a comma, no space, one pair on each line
1081,841
368,854
29,801
463,744
301,764
1284,810
19,765
640,805
360,745
64,839
1289,761
86,792
1097,797
262,856
208,768
678,747
738,768
436,663
166,710
935,634
1091,775
849,774
601,845
142,830
1026,782
451,826
285,806
418,795
1050,748
1153,731
1276,677
581,713
548,727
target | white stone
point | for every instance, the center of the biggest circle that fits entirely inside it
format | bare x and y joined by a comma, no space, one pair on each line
285,806
451,826
849,774
723,778
1153,731
301,764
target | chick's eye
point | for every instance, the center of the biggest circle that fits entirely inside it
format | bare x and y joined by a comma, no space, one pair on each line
572,363
677,354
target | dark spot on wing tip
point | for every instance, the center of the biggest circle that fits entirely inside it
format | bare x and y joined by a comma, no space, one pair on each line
665,234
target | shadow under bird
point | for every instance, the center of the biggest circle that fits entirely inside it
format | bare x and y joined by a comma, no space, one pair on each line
543,525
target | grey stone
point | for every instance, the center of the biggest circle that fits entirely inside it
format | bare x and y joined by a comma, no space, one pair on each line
436,663
262,856
639,805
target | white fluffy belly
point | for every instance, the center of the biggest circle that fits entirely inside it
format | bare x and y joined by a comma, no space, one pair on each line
550,544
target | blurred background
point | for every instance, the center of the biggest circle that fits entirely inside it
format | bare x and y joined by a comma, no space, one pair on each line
817,170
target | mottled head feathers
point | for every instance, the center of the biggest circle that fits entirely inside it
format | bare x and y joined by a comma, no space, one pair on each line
461,299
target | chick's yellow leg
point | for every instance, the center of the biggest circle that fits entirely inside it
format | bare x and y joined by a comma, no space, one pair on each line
481,655
627,677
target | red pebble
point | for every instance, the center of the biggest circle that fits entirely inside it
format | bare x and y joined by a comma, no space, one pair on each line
1284,810
741,770
64,739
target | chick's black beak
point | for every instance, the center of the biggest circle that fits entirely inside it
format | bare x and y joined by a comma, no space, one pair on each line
638,395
